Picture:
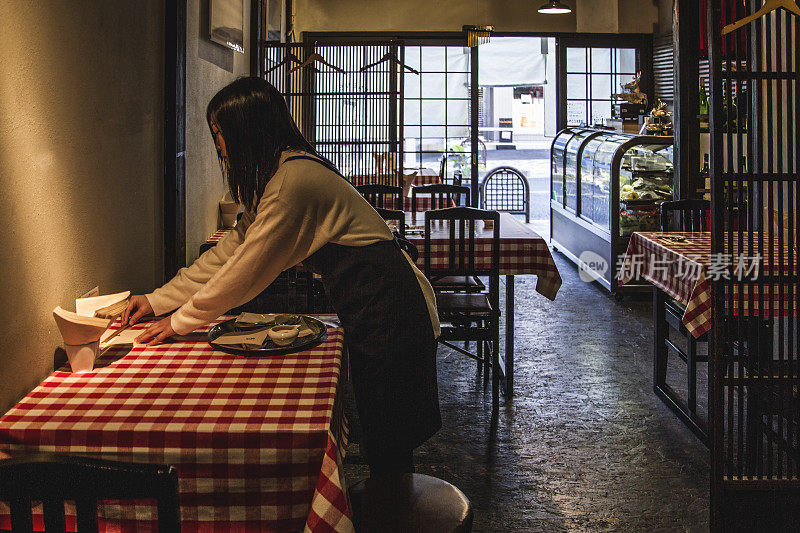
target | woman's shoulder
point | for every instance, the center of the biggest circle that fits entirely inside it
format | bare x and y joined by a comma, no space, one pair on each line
306,171
304,178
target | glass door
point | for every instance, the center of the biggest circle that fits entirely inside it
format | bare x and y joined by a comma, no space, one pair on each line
437,111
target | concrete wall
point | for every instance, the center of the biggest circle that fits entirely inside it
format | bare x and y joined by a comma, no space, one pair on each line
600,16
626,16
664,24
638,16
81,167
209,67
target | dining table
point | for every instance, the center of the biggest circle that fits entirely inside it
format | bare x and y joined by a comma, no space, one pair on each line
258,442
759,280
522,252
681,265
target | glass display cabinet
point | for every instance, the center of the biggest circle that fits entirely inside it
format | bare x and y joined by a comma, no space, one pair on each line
606,185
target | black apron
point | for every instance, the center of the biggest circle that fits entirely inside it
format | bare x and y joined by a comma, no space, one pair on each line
390,339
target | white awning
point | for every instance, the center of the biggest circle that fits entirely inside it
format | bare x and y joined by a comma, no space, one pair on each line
511,61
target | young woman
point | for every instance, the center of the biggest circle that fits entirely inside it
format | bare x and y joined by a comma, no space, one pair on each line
298,208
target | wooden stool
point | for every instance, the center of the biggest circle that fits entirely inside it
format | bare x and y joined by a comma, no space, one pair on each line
409,502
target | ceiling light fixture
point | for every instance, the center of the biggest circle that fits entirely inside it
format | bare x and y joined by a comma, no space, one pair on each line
554,7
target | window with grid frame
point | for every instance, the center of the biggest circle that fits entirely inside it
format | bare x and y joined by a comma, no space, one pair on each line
594,74
436,114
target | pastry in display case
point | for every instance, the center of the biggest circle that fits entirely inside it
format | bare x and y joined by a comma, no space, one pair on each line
646,180
605,186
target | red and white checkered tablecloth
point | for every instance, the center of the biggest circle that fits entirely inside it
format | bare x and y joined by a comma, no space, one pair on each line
522,251
685,271
424,203
218,235
258,442
424,176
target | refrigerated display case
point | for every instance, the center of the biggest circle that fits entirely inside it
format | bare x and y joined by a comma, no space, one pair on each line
604,186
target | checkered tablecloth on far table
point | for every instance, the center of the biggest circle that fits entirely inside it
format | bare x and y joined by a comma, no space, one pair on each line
522,251
424,176
257,442
681,270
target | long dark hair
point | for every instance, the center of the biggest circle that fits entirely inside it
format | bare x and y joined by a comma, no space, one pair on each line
256,126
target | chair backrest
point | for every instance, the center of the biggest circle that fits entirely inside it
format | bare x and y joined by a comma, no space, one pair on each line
299,290
399,217
506,189
443,169
482,151
441,196
469,245
689,215
53,479
380,195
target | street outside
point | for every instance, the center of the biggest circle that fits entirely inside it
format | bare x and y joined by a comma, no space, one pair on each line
532,158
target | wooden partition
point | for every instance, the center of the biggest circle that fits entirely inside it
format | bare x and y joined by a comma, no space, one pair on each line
755,160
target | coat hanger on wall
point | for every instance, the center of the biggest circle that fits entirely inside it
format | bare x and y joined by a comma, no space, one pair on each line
768,7
288,59
388,56
316,58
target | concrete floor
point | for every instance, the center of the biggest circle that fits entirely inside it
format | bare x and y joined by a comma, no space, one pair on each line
584,444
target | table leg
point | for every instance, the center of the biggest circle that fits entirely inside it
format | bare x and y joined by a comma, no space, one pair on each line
509,359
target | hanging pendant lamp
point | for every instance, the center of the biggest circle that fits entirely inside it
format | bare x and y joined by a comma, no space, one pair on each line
554,7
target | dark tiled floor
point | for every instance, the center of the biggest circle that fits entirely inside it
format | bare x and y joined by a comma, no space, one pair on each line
584,444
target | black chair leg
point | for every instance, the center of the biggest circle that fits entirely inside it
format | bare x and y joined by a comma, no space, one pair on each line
496,373
691,372
483,353
660,352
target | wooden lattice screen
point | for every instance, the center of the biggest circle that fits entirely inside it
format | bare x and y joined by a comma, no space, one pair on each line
349,110
755,159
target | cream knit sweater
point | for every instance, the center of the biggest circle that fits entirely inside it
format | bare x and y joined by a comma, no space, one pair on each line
304,207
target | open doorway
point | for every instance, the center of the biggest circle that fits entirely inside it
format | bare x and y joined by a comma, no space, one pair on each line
517,114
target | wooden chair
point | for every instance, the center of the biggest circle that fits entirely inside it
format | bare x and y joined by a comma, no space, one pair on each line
53,479
409,502
383,196
292,291
506,189
468,316
393,215
443,178
468,284
441,196
399,217
688,215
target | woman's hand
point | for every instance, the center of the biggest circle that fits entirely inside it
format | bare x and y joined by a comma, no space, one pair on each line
138,306
157,332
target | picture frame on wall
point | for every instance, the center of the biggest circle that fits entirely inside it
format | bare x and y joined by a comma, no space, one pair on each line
226,23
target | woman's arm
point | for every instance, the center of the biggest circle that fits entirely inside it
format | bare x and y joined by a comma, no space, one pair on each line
189,280
281,235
